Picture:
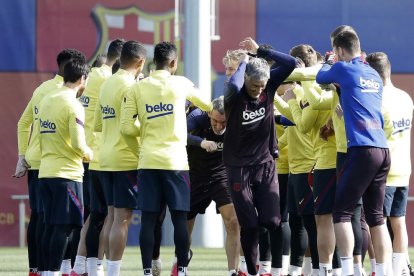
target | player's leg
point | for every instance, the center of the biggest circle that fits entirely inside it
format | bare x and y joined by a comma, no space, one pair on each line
373,205
231,224
324,185
299,243
32,243
125,200
176,191
306,211
150,200
97,217
156,260
396,215
242,196
285,229
108,189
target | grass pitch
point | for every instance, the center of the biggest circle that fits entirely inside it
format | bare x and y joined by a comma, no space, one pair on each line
205,262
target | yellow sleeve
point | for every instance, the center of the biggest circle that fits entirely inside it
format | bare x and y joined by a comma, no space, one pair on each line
196,97
97,125
282,107
304,74
282,141
317,98
305,118
388,126
129,114
77,131
23,129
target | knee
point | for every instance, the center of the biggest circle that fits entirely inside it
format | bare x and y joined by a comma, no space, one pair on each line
374,220
272,224
397,223
232,225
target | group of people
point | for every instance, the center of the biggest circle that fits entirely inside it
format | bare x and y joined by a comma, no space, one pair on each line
298,146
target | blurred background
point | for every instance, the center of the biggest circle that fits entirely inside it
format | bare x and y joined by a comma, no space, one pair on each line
32,32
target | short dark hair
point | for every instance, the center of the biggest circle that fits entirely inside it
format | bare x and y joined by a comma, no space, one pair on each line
74,70
380,62
340,29
131,52
115,49
116,66
348,41
67,55
164,52
306,53
99,60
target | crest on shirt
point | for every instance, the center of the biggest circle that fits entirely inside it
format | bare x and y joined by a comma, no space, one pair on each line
236,187
131,23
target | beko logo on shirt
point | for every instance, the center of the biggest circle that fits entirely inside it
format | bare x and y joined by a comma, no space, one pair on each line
253,116
370,86
47,126
107,112
219,146
161,109
36,110
401,125
84,100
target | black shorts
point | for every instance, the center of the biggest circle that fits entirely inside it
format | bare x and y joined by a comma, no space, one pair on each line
33,183
300,197
62,200
395,203
96,191
205,190
86,188
363,175
283,192
121,188
324,186
159,186
255,194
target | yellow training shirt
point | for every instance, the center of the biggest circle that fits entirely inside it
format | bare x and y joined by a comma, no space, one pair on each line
29,118
62,136
89,99
159,103
117,152
282,163
301,155
397,109
310,120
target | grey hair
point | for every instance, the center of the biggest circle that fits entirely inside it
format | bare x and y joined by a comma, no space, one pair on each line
218,105
258,69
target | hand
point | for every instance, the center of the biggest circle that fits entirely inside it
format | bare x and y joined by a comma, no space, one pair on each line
21,167
245,57
330,58
326,131
300,63
88,156
250,45
339,112
289,95
209,146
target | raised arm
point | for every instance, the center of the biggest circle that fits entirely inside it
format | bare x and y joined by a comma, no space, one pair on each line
235,82
318,99
304,73
329,74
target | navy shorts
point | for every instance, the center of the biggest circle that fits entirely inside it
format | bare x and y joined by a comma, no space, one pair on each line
86,188
33,182
395,203
300,197
157,187
283,193
255,194
205,190
96,191
363,175
62,201
121,188
324,186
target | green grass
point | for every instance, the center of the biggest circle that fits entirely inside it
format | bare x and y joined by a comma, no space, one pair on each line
205,262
